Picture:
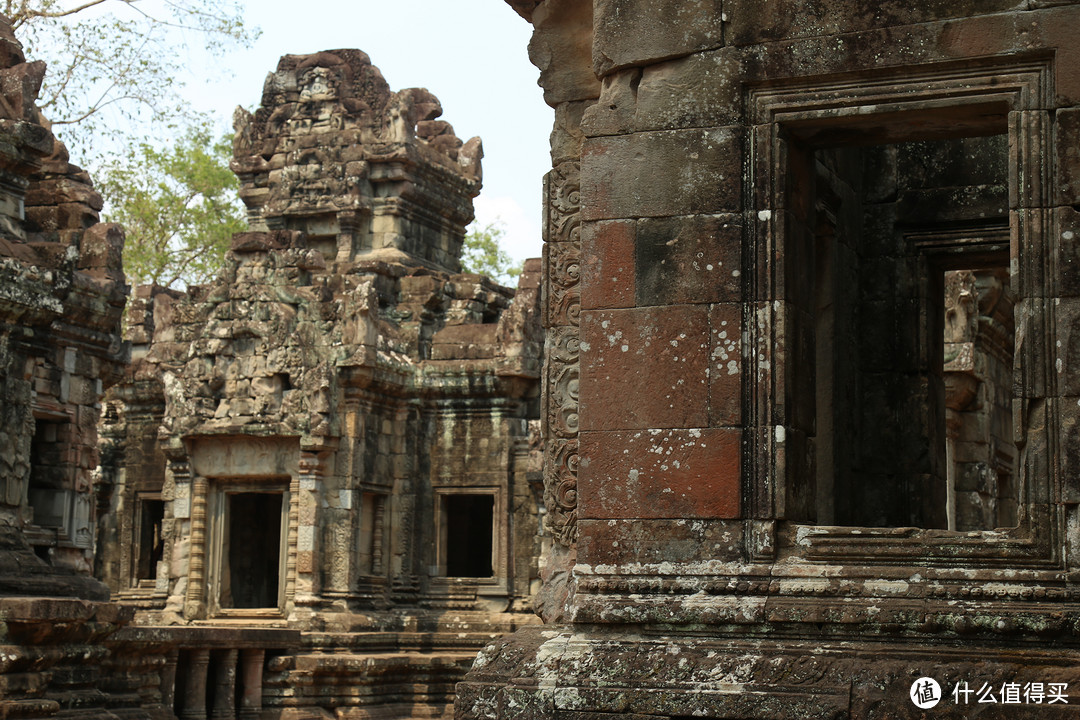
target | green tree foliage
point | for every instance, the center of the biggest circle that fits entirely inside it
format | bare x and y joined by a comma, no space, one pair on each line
482,253
114,65
180,208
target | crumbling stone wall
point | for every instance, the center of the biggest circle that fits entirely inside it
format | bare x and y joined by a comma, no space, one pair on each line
340,434
62,293
756,444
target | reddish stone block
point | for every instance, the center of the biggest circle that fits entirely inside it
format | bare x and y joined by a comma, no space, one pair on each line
695,259
726,365
693,473
656,174
645,368
607,264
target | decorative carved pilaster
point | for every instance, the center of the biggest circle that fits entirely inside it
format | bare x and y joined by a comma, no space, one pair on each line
291,545
561,316
562,238
195,604
304,524
377,535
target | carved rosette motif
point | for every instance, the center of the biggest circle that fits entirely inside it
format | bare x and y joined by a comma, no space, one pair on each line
562,310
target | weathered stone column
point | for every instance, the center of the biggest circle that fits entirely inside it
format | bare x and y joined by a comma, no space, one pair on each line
225,686
251,672
306,502
195,686
168,679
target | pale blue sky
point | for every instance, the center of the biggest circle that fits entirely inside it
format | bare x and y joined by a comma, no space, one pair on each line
472,54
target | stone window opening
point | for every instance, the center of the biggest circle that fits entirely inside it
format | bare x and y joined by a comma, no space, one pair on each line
248,553
58,515
467,546
809,146
886,232
150,518
46,486
372,546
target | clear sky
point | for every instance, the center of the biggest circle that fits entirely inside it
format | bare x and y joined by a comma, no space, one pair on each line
472,54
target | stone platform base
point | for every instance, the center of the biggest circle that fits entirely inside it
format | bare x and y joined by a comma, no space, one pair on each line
598,673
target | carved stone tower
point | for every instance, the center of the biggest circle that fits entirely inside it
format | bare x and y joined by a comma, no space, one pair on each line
334,153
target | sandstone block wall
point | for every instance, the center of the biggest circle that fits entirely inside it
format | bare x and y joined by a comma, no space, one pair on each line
761,454
62,293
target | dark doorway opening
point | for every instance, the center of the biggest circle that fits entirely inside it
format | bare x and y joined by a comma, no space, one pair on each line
899,390
253,551
151,542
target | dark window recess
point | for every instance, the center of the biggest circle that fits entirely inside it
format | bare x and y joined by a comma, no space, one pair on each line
468,535
48,473
253,551
899,392
151,542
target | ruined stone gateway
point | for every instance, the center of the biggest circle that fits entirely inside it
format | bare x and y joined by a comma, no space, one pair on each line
811,387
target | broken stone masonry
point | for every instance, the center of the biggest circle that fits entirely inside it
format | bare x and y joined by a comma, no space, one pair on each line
321,487
317,490
812,303
62,292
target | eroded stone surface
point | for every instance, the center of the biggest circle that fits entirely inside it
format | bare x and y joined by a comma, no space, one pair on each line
879,497
340,435
62,292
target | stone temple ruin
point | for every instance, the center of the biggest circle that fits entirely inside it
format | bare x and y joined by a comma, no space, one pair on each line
799,429
822,263
330,455
319,486
62,293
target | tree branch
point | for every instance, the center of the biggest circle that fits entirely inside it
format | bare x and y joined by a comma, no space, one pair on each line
24,14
